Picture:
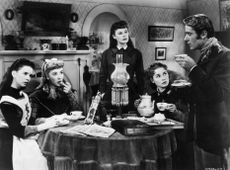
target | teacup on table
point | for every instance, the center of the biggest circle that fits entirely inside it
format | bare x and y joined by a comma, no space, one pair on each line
76,113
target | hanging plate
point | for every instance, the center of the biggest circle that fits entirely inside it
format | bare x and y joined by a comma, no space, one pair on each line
9,14
74,17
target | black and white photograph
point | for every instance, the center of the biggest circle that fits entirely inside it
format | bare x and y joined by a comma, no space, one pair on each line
160,53
115,85
160,33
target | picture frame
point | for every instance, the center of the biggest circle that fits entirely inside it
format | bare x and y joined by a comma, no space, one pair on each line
160,53
160,33
224,15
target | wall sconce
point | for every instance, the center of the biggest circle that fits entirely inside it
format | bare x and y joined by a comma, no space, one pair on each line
9,14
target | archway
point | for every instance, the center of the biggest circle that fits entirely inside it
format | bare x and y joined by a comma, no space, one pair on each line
104,8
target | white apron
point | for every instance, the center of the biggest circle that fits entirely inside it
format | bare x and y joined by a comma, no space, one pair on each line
26,152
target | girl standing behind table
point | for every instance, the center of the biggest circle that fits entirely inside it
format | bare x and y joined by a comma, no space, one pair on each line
54,97
15,120
121,43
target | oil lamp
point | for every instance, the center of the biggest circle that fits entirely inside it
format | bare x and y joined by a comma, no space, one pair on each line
120,77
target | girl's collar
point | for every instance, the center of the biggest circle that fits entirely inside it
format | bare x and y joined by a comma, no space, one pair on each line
166,91
119,47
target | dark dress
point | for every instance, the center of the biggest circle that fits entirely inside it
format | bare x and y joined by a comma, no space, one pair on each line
182,157
210,98
131,56
43,106
170,95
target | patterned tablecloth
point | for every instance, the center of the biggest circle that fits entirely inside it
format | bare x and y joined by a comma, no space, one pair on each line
68,151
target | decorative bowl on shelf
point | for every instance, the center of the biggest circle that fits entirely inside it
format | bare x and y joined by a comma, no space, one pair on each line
146,111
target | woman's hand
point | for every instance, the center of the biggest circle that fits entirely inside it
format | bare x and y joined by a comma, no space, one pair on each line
171,107
137,102
66,87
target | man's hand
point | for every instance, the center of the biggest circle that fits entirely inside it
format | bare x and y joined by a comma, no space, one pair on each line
185,61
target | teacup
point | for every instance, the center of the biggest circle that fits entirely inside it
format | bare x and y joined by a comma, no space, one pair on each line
76,113
180,56
162,106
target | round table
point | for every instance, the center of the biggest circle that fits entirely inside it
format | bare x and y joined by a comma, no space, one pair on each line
68,151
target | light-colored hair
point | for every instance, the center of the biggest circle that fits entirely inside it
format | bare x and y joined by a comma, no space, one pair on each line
47,66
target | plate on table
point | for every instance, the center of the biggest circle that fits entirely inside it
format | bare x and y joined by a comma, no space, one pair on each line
181,83
163,123
168,123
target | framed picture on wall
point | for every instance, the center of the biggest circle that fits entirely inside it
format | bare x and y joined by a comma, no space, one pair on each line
160,33
160,53
225,15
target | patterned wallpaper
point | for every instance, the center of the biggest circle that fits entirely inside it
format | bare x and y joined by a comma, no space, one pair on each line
208,7
139,19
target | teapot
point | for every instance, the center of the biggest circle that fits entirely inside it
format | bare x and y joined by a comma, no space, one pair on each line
145,101
146,106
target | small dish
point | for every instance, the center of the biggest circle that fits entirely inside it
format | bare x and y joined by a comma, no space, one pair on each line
181,83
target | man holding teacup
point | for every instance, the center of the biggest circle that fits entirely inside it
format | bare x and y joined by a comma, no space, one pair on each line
209,94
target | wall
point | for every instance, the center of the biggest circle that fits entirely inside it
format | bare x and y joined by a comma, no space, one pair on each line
139,17
209,7
9,26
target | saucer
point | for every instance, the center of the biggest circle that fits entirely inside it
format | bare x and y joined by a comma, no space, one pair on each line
181,83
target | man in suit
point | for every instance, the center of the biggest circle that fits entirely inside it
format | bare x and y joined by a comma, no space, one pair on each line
209,93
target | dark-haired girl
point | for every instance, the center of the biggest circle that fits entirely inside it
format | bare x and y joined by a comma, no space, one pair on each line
120,42
15,116
159,87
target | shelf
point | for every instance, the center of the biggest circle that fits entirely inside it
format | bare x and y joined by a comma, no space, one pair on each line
47,52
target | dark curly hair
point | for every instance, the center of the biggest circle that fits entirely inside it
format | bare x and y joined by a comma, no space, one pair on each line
8,78
153,67
199,23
